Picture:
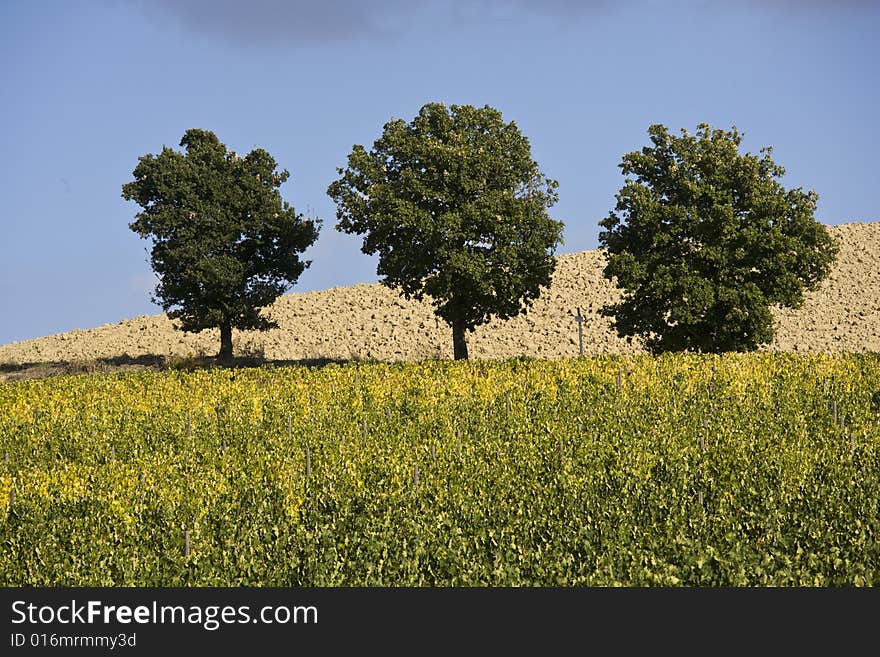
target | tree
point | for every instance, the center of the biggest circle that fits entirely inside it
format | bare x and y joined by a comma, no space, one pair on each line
457,211
703,240
225,244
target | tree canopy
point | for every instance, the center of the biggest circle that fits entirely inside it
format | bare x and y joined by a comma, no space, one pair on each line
225,244
704,240
456,209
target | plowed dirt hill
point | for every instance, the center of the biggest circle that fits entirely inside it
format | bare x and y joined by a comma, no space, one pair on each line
370,321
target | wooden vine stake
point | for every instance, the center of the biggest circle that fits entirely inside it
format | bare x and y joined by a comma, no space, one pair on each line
11,497
416,476
186,546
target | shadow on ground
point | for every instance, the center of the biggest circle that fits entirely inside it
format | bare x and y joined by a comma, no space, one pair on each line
42,370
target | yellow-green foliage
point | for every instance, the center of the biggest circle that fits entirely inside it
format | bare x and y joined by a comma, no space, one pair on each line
675,470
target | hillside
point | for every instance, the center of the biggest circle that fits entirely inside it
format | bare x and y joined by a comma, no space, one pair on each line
372,322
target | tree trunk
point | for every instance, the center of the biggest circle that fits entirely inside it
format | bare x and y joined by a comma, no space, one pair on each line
459,342
225,355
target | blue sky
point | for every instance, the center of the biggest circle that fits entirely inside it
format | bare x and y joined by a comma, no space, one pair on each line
89,86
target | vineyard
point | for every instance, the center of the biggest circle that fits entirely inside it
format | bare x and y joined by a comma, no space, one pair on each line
679,470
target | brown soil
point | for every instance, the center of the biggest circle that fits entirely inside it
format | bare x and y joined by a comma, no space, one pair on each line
373,322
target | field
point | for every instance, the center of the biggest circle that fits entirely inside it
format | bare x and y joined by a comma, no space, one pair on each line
752,470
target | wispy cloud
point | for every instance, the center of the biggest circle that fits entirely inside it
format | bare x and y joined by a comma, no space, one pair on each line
305,22
292,22
282,22
273,23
